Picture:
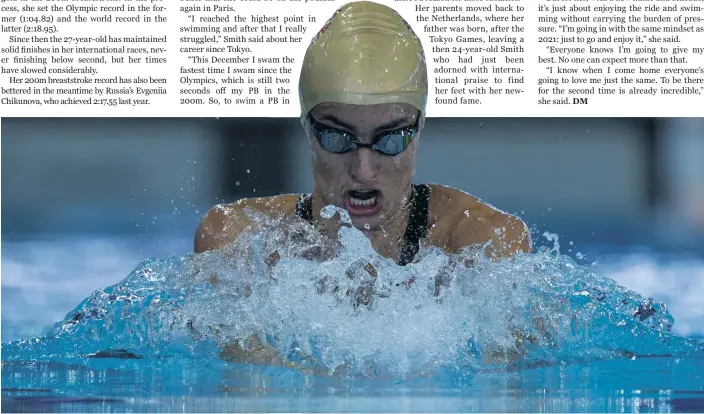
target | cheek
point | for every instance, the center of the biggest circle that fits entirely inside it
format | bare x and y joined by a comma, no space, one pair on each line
329,167
313,152
399,166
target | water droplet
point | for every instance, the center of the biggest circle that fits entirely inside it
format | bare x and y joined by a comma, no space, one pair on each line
247,170
466,213
237,183
367,226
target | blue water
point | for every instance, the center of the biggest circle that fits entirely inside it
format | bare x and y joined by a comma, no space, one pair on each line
641,385
602,346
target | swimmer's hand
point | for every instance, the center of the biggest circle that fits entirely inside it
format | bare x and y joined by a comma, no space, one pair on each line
256,352
251,351
360,273
444,277
513,353
301,240
366,273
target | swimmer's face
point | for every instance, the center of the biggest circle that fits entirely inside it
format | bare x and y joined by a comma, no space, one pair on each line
370,185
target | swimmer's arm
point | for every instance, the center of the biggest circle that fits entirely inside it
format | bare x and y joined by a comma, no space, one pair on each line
225,222
510,238
513,238
220,226
258,353
508,235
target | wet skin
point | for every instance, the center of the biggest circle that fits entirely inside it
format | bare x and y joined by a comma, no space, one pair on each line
455,219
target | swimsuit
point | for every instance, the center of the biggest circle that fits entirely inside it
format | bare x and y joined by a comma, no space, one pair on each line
417,220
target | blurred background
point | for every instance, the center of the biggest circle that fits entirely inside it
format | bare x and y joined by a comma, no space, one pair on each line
84,200
615,182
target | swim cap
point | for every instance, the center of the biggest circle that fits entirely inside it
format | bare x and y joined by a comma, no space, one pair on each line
365,54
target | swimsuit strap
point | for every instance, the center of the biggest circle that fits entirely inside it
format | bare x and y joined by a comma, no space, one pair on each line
417,223
304,208
417,220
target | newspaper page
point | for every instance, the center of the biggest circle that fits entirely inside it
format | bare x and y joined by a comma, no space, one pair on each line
221,58
335,205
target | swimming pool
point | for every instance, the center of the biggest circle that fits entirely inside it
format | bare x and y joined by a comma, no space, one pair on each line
36,294
643,385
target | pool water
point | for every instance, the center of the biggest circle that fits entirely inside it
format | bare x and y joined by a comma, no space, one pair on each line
640,385
600,353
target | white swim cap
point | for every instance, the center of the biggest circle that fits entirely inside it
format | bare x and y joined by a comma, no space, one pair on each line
365,54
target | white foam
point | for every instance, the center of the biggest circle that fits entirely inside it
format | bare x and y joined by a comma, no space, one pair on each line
42,280
400,331
678,282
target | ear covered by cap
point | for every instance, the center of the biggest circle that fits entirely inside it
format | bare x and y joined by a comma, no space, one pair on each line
365,54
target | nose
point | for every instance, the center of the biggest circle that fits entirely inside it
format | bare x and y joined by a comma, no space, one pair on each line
364,169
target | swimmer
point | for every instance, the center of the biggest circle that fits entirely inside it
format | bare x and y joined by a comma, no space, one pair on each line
363,90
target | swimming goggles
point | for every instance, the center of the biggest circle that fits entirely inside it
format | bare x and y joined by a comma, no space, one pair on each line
388,143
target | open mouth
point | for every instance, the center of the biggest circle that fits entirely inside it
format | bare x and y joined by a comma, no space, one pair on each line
363,202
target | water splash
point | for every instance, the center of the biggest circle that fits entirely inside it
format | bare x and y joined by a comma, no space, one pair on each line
332,305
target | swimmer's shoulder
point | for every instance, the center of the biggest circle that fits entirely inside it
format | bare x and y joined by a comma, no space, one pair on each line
224,222
458,220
